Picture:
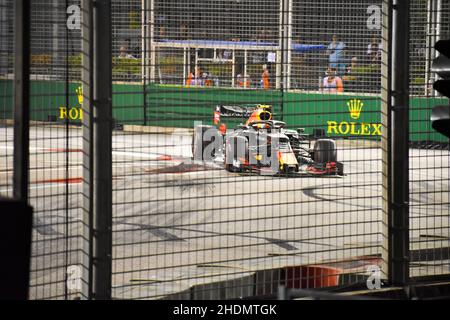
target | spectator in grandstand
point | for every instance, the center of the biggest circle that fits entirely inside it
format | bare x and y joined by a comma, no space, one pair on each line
332,83
265,84
336,54
215,80
239,81
195,79
243,81
227,54
123,53
189,79
350,70
374,51
206,81
351,76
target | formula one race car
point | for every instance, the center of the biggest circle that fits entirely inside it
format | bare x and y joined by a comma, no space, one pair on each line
263,145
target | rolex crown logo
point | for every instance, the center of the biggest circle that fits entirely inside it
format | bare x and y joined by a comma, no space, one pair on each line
355,107
79,92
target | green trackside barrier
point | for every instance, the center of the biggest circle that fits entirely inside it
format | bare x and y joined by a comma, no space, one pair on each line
343,115
48,101
6,99
419,119
178,106
340,115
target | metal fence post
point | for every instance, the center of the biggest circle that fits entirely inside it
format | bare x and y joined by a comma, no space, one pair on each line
21,97
286,43
284,83
399,213
102,263
88,141
386,132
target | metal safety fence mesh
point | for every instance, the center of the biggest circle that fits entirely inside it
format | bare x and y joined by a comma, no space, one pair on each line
429,153
55,171
6,93
55,151
194,228
187,228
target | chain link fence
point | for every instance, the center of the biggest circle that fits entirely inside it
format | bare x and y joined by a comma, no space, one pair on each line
429,152
189,229
6,92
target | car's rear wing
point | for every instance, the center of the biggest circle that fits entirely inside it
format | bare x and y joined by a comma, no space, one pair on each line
239,111
250,112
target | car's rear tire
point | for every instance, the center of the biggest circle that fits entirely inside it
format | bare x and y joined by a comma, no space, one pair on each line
325,151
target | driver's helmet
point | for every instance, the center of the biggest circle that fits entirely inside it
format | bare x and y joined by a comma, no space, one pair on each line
261,113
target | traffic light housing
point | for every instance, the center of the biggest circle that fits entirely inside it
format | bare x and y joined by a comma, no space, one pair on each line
440,115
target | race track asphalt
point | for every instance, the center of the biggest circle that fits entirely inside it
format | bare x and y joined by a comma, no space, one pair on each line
173,230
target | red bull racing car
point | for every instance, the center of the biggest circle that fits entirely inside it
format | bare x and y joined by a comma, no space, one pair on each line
264,145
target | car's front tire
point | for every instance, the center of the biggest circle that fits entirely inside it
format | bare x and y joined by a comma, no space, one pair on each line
325,151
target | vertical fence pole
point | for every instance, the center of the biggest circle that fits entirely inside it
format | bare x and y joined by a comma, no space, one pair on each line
288,44
3,35
285,47
151,38
88,146
428,47
399,213
145,51
102,83
145,40
386,131
280,57
21,98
